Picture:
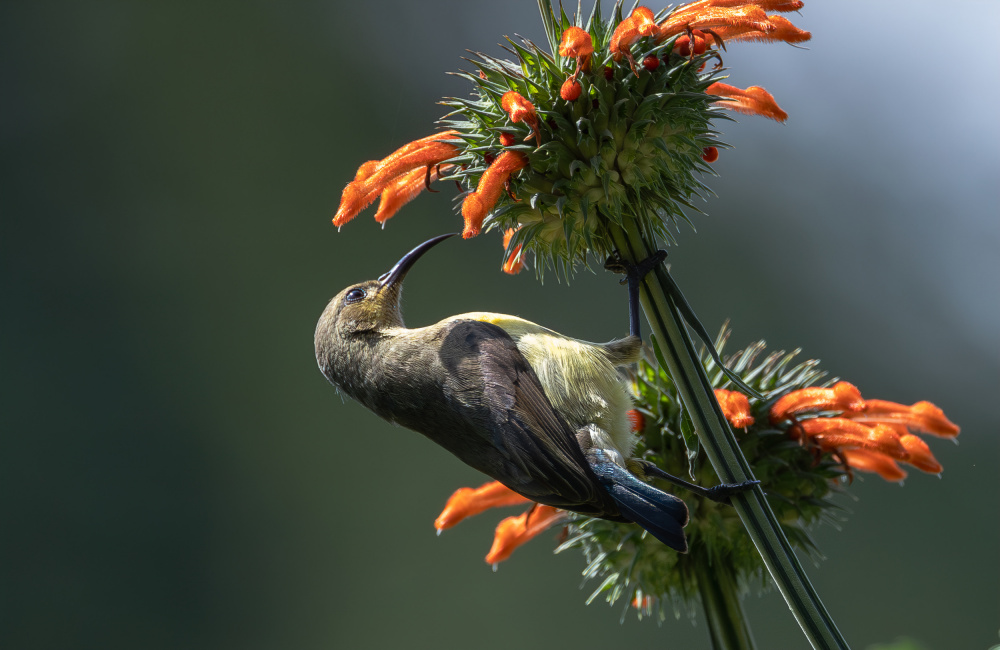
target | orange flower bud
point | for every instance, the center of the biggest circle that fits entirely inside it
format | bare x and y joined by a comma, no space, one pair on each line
735,406
506,139
466,502
570,90
710,154
651,63
682,45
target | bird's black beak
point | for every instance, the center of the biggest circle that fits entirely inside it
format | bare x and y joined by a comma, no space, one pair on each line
398,272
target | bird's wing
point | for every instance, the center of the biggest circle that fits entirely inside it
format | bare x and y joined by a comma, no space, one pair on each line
539,456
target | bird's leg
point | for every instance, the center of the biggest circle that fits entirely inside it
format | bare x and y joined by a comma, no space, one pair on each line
720,493
634,273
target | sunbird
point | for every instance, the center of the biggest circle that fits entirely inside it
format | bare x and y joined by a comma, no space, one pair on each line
540,412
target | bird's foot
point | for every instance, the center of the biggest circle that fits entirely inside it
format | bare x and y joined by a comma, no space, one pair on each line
634,272
723,492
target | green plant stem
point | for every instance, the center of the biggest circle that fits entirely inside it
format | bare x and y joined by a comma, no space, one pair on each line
727,624
720,445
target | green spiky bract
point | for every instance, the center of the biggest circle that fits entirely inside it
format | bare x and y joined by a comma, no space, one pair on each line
629,145
631,564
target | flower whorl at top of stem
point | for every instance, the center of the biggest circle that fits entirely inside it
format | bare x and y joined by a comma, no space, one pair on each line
598,137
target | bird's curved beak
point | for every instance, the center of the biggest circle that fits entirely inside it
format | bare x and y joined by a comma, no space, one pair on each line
398,272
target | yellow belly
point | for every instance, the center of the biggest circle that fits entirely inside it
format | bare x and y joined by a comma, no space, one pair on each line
578,377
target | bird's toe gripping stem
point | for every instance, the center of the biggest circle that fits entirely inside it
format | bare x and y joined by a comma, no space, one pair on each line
634,273
720,493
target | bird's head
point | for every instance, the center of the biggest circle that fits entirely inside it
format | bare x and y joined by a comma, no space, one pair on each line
371,306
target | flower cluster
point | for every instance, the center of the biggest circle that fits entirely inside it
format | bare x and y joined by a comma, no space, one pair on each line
804,441
613,123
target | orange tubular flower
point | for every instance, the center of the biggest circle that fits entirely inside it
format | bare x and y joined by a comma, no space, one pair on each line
476,205
629,31
867,461
515,531
374,177
579,44
781,29
513,264
521,110
735,406
466,502
869,435
752,101
636,420
922,416
406,188
833,433
841,397
749,16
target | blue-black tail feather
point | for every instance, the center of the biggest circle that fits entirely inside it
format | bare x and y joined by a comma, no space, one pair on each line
662,514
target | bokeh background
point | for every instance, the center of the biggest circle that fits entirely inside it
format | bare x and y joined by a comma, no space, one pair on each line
175,473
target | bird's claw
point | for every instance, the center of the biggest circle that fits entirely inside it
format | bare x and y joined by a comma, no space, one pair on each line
723,492
616,264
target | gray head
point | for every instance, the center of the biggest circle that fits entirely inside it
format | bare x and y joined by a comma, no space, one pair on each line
366,308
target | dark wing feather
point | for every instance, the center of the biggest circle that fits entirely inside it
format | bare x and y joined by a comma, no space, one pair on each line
536,452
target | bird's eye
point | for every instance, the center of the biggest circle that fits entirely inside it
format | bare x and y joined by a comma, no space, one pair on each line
355,295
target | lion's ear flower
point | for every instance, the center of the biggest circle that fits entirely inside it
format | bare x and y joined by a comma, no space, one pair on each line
521,110
752,101
477,204
374,177
512,532
842,396
514,263
406,188
467,502
869,435
735,406
629,31
577,43
603,142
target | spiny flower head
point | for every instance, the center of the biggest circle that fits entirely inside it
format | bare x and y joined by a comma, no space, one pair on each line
804,441
613,122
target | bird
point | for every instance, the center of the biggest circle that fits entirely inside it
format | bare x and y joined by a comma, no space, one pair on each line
540,412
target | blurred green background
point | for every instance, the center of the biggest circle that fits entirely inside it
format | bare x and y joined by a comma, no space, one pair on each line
175,472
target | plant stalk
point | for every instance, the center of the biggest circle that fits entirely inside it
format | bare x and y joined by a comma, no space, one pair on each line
727,624
715,436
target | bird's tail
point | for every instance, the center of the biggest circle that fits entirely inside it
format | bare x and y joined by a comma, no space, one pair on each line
662,514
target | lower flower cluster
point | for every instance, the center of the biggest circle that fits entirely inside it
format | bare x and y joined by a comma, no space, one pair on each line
804,441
